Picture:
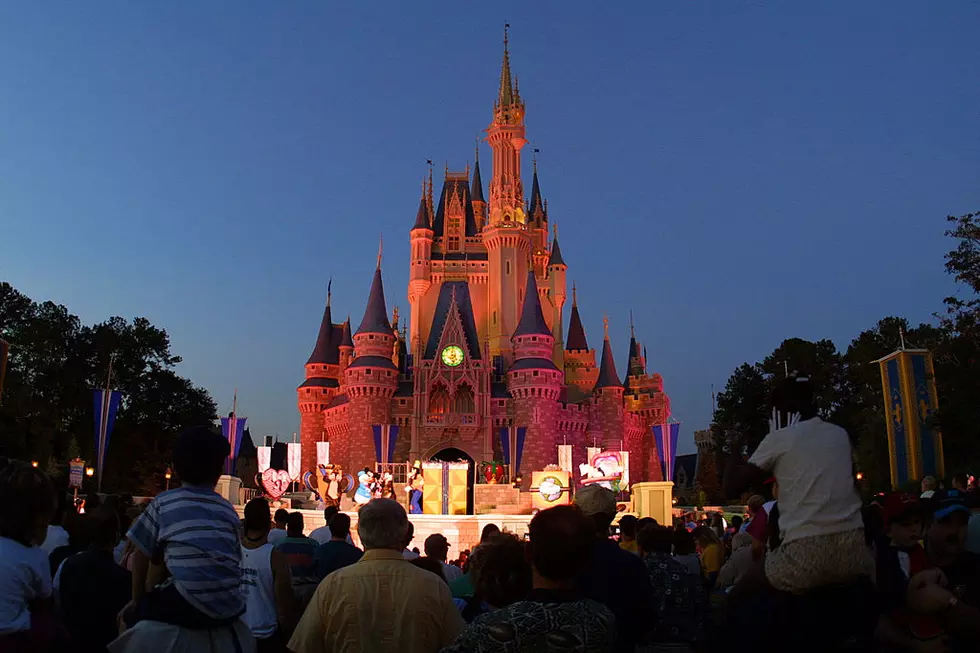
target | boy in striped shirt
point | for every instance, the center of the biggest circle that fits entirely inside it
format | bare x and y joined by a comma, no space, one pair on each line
190,534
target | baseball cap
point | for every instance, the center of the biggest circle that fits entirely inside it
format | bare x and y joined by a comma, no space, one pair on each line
596,500
899,506
946,502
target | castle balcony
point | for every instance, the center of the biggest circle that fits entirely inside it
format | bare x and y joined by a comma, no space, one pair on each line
452,419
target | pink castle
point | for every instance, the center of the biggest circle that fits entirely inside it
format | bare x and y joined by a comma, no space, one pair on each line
485,346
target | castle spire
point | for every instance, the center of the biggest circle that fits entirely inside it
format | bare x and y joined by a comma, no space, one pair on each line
555,258
375,318
422,217
324,353
608,378
536,206
532,318
505,96
476,188
576,332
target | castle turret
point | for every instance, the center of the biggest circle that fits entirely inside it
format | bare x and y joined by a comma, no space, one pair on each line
476,195
581,372
346,348
644,397
538,224
321,385
534,382
506,234
420,266
370,380
607,398
556,283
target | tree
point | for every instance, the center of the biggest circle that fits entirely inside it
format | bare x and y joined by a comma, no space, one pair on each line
54,364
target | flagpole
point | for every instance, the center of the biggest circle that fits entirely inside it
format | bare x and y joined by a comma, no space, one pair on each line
104,423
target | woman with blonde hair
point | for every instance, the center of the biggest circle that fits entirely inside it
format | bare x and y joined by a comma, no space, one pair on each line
712,554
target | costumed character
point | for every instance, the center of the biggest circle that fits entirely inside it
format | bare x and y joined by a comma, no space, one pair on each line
414,489
365,487
332,497
606,473
386,487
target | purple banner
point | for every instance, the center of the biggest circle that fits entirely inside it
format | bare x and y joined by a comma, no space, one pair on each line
233,428
667,447
106,404
385,436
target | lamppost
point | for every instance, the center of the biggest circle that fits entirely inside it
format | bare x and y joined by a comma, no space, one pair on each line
34,463
167,476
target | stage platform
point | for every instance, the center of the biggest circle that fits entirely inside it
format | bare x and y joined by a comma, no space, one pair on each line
462,531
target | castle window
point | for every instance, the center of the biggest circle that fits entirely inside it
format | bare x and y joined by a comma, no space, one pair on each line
507,267
464,402
535,372
438,400
367,371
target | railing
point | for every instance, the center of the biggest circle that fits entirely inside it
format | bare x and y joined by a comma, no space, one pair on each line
442,419
246,494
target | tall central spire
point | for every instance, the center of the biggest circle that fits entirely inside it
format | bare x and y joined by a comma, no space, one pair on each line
505,97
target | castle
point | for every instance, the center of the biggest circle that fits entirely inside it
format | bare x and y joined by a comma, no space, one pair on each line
485,346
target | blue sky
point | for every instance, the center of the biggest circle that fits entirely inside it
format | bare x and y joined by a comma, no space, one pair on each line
735,173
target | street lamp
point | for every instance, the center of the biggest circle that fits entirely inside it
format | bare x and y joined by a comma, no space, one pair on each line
33,463
859,476
167,476
90,471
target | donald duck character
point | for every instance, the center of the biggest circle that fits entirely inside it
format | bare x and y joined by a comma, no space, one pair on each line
365,487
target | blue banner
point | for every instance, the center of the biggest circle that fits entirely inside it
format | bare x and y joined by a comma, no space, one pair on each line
667,447
385,437
233,428
519,449
897,423
106,405
505,444
923,410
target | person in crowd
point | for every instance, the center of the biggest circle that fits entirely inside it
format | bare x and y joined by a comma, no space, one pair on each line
555,615
680,607
409,536
57,535
501,575
712,554
300,552
685,551
627,533
189,554
718,525
322,535
949,590
430,564
382,602
613,577
973,526
929,487
437,546
822,533
92,588
739,563
78,540
338,552
278,532
961,483
27,502
266,582
462,587
758,525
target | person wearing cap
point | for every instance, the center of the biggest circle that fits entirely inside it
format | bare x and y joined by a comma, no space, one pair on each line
437,547
614,577
820,525
949,589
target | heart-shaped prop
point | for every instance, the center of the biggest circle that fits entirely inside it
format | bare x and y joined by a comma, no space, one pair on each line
275,482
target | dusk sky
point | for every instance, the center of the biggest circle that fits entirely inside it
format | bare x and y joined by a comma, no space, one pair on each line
735,173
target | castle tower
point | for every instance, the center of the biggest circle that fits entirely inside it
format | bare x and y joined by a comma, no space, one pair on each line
506,234
581,372
606,425
476,194
538,224
346,348
535,383
644,396
420,266
556,283
320,386
370,380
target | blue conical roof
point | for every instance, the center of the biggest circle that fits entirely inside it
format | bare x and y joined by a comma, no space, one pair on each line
555,258
476,188
608,378
324,352
422,217
576,332
532,318
375,318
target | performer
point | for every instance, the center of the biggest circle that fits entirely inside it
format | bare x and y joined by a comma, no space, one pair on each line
386,489
414,489
332,497
365,487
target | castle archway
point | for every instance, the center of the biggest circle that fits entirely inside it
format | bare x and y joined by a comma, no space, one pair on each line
452,455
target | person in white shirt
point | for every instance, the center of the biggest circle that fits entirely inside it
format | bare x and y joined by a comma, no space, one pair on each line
820,520
322,535
56,534
437,547
929,486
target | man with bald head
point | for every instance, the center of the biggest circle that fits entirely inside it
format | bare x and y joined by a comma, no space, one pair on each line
382,602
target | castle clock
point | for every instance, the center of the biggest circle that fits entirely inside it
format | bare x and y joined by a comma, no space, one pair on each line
452,356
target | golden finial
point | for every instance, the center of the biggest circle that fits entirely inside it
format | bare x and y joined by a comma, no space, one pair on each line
554,229
574,295
381,243
605,326
394,315
632,333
